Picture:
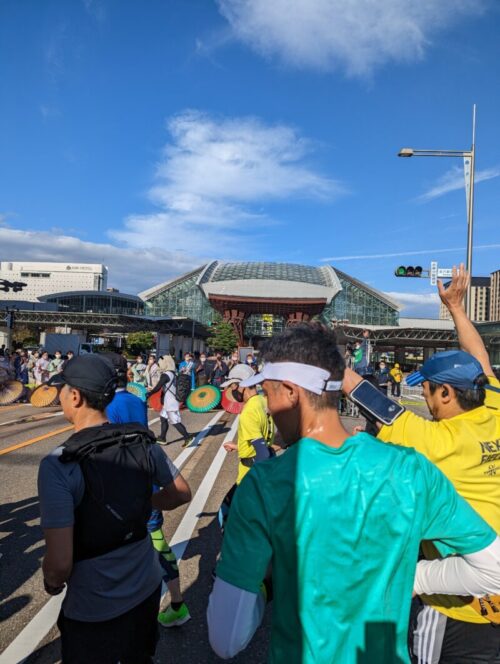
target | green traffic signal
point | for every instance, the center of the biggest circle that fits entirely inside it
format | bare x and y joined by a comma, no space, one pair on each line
408,271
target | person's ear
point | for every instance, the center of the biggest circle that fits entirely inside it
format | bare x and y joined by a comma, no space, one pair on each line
76,398
447,393
291,393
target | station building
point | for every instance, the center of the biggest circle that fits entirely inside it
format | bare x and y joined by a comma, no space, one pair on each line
96,302
260,299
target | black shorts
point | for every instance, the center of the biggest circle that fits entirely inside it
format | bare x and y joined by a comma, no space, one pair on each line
129,639
436,639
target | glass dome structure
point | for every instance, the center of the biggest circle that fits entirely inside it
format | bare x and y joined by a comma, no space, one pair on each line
265,296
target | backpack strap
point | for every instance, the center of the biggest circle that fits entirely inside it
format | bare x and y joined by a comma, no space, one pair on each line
83,443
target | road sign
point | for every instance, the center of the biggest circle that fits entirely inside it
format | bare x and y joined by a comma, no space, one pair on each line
433,273
445,272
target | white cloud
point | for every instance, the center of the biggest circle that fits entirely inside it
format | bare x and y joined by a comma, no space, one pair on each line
95,9
417,305
213,176
131,270
398,254
453,180
355,35
47,111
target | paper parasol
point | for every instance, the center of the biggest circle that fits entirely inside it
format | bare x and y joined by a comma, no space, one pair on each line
10,391
154,401
45,395
138,390
229,403
204,398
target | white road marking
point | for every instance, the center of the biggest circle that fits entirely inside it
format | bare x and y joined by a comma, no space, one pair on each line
37,629
183,534
186,453
34,632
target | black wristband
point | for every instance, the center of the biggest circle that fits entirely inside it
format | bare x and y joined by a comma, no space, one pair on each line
52,590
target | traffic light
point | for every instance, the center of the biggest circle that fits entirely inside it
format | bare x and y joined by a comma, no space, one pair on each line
408,271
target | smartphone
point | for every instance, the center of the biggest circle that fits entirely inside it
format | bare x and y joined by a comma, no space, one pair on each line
371,400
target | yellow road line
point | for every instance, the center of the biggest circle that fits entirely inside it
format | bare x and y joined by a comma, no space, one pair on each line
17,405
32,441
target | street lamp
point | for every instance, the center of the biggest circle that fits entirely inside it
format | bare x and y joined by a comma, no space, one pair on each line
466,155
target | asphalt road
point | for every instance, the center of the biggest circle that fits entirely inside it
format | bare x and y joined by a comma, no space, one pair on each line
26,435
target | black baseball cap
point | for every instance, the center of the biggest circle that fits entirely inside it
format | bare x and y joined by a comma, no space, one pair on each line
88,372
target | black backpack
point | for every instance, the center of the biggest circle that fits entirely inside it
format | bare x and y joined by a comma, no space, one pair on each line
115,460
180,386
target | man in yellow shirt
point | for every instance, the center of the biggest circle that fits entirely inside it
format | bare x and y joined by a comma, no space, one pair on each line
463,440
396,379
255,430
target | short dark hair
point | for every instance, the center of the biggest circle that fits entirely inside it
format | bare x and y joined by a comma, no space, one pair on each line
468,399
96,400
309,343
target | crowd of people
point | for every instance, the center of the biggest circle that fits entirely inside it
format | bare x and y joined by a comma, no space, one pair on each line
32,367
201,368
371,548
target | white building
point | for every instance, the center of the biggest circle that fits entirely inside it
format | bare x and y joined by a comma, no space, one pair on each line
47,278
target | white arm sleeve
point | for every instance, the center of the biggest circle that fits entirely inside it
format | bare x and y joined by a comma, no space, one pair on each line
233,615
475,574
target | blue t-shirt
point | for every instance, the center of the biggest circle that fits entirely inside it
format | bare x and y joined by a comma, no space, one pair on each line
125,408
106,586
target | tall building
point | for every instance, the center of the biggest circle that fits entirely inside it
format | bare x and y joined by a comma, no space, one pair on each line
46,278
495,296
480,301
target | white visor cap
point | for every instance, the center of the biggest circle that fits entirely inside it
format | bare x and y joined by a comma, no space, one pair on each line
309,377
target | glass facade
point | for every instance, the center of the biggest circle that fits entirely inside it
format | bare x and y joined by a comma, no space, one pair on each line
271,271
359,305
94,302
356,303
182,298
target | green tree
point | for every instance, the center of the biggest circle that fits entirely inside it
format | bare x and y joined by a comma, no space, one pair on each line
222,337
139,342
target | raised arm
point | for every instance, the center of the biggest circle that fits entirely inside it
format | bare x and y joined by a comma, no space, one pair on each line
468,337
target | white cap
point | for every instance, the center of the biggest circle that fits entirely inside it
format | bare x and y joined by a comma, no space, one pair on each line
314,379
238,373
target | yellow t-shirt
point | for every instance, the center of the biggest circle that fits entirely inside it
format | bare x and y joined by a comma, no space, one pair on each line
466,448
397,374
254,423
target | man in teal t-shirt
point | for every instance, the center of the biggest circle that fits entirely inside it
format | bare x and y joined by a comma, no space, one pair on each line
340,520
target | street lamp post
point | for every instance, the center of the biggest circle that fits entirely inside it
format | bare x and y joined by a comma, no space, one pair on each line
465,154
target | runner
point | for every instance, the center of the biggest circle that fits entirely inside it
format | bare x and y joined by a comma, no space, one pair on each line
341,519
170,413
110,569
463,442
126,407
255,426
255,431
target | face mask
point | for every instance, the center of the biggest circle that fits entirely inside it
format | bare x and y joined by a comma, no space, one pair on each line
237,395
58,357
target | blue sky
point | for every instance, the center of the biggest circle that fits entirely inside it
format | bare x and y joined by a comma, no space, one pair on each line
153,136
